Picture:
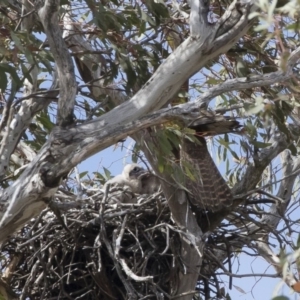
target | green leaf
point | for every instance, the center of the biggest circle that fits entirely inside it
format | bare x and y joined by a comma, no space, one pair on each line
164,144
129,70
254,109
4,67
260,144
227,297
81,175
64,2
282,127
239,289
136,153
44,119
224,142
224,154
233,153
280,298
161,164
298,241
293,149
29,56
45,57
26,73
3,81
213,81
99,176
177,132
107,173
2,297
17,41
188,169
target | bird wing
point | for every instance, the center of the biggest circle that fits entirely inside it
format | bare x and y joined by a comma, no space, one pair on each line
207,189
150,183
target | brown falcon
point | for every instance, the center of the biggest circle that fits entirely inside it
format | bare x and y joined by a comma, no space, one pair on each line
208,189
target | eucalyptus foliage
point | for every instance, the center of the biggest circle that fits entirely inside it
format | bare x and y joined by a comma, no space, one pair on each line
79,76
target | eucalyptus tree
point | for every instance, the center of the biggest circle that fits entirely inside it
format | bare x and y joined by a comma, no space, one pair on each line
80,76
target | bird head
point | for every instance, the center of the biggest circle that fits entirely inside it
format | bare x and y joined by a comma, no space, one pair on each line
133,171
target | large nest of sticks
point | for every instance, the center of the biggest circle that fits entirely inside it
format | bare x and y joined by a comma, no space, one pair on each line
97,250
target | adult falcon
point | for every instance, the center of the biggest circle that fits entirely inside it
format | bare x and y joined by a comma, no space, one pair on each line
208,189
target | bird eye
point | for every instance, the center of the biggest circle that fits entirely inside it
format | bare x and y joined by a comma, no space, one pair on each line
136,169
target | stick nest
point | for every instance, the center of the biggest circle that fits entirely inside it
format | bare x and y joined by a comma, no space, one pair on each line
94,250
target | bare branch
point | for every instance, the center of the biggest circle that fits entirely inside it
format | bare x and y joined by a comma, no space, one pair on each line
265,251
199,26
49,17
87,64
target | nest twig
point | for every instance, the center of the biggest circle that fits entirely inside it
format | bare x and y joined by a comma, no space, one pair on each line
92,249
102,254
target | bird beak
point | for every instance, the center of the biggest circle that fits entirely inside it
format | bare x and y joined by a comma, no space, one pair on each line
141,173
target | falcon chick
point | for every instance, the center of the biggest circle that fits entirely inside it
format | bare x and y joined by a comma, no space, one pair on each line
150,183
130,177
